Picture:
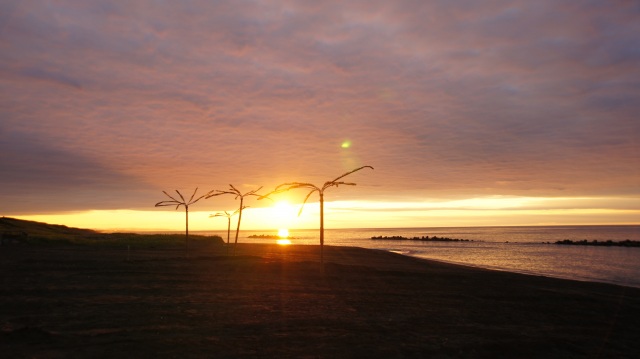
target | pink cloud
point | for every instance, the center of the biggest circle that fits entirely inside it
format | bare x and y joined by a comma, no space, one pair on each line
448,100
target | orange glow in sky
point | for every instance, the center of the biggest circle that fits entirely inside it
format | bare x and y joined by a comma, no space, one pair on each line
104,107
362,214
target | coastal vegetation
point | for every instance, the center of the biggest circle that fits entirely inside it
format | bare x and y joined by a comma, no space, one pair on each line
44,234
30,230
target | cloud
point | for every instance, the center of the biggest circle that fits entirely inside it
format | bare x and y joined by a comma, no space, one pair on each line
40,74
38,176
445,100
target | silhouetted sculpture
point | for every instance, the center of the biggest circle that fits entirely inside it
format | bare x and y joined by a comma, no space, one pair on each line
293,185
186,204
234,191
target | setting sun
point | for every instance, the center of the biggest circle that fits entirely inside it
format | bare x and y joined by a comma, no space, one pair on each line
283,233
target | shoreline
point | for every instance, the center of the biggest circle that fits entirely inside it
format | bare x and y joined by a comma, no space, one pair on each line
279,301
518,242
524,272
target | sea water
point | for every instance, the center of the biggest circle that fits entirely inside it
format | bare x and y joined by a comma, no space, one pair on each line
530,250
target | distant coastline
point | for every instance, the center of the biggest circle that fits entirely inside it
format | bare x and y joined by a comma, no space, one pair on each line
422,239
608,243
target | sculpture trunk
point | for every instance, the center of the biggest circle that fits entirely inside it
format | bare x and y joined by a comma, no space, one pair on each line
186,239
238,227
321,228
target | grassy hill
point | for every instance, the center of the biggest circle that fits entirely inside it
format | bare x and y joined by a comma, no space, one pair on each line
43,230
38,233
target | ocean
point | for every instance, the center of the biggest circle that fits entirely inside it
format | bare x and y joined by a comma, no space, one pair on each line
529,250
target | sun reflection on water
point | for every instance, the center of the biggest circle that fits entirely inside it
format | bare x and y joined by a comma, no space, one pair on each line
283,233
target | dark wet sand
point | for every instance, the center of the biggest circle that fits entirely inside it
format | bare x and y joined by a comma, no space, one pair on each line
278,301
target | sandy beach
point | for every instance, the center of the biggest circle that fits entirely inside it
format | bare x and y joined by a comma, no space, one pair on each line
279,301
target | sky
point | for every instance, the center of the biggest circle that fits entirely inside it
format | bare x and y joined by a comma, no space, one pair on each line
472,113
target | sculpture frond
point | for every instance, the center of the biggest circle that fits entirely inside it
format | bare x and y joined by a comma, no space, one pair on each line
167,203
192,195
168,195
181,197
350,172
306,198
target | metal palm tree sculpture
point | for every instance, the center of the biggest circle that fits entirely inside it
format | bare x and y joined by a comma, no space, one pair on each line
228,215
186,204
234,191
336,182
